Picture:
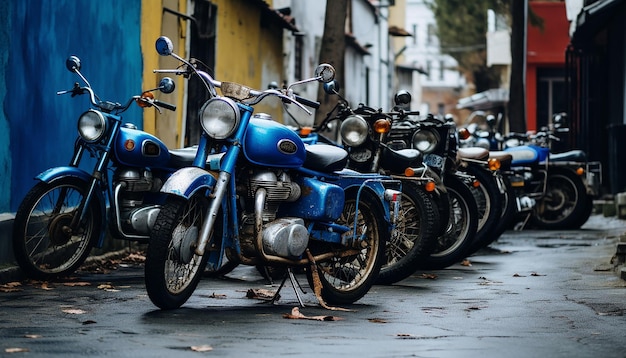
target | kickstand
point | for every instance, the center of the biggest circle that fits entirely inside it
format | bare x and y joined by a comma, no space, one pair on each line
520,227
294,283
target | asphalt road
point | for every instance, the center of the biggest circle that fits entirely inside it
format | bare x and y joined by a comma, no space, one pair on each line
534,294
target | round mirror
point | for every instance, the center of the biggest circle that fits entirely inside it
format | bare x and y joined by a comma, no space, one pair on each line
325,73
164,46
72,64
331,87
167,85
403,97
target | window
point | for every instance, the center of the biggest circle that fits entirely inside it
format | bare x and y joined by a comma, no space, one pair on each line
297,71
441,70
428,68
414,34
430,37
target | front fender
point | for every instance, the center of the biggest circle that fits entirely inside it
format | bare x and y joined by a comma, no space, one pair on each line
53,174
186,181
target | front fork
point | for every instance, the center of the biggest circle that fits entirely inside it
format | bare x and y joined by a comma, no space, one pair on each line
221,187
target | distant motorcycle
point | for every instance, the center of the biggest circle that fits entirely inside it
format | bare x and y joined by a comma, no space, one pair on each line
267,199
65,214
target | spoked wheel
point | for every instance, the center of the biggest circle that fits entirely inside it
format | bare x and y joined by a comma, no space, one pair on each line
509,212
565,202
413,237
453,246
44,244
350,274
489,203
173,269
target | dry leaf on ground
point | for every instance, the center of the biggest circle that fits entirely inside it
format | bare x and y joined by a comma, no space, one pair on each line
261,294
202,348
74,311
16,350
296,314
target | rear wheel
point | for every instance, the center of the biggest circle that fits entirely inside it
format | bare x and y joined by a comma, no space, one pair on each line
172,268
565,203
413,237
453,246
489,202
350,274
44,245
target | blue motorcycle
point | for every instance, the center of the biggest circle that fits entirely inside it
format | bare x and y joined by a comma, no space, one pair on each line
65,214
266,198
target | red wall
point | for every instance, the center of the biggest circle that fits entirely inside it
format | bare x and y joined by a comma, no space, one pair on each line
545,48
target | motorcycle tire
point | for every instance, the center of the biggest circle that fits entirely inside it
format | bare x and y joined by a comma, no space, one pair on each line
454,245
347,278
565,202
172,268
414,236
509,212
489,202
42,245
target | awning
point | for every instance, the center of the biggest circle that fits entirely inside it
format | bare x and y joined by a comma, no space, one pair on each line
493,98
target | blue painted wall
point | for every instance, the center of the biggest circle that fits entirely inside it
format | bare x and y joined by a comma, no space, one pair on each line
37,127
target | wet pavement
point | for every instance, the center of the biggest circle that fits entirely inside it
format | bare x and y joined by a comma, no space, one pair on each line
533,294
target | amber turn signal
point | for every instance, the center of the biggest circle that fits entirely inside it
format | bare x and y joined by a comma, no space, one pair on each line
494,164
143,104
580,171
305,131
409,172
463,133
382,126
430,186
475,183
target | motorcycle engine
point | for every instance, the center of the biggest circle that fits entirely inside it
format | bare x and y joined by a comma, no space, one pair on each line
131,185
284,237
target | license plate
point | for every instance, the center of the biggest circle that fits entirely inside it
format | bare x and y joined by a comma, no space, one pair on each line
433,160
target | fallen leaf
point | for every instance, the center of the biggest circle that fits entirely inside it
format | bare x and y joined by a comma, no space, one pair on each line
74,284
430,276
295,314
32,336
215,295
44,286
202,348
8,288
89,321
74,311
261,294
16,350
517,275
377,320
466,263
536,274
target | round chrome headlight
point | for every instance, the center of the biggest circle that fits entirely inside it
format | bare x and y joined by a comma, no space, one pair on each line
219,117
425,140
91,126
354,130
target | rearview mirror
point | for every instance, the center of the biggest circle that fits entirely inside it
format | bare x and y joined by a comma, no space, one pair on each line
167,85
325,73
164,46
72,64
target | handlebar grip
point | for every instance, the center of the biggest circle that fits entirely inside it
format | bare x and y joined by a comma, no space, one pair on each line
308,102
171,107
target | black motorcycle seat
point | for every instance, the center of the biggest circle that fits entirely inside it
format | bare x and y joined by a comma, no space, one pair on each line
569,156
504,158
325,158
397,161
473,153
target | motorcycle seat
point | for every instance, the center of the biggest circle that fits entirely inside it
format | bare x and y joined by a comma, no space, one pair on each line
569,156
397,161
473,153
325,158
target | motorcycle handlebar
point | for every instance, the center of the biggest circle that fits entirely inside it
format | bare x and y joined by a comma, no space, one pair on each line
165,105
308,102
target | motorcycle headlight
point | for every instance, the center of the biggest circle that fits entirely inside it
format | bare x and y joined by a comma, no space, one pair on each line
91,126
425,140
219,117
354,130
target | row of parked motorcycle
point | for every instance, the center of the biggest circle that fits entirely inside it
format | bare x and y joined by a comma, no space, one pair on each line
367,197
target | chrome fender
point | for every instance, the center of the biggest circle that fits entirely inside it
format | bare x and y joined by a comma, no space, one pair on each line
185,182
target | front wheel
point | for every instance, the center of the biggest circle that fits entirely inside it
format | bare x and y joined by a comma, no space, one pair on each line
350,274
172,268
564,204
453,246
414,236
44,244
